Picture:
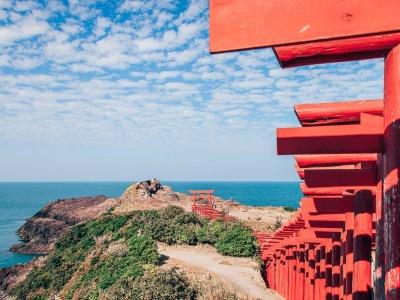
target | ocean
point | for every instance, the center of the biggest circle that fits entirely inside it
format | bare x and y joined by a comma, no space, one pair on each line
21,200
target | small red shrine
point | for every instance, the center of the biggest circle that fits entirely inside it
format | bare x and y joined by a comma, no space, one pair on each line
202,198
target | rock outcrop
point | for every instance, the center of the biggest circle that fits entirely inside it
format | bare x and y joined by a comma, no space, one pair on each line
40,232
150,189
150,194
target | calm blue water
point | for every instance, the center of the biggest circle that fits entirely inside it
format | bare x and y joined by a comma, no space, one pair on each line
19,201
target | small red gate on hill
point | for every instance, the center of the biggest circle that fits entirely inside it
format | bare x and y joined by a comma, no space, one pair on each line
203,204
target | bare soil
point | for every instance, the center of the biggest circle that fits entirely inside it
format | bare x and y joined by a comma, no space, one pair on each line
239,274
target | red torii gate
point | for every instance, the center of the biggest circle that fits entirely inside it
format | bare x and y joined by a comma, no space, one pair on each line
304,32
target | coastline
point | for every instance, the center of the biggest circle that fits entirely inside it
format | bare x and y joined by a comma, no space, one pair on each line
20,201
42,230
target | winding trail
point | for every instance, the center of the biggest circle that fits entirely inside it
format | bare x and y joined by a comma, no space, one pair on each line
241,274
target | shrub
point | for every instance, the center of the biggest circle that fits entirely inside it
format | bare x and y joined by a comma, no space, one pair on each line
165,285
155,284
289,208
237,240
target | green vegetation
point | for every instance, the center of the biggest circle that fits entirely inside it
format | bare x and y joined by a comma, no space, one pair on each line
289,208
117,256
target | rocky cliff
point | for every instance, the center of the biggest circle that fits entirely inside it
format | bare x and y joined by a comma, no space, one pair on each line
40,232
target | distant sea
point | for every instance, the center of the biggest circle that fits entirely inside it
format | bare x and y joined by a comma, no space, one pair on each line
19,201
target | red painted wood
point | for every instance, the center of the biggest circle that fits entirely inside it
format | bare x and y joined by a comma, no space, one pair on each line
292,272
320,160
300,274
332,191
338,204
300,171
342,263
340,177
324,232
391,203
328,270
349,257
345,112
201,191
336,265
317,279
330,139
310,284
355,48
362,243
379,289
322,292
323,217
240,24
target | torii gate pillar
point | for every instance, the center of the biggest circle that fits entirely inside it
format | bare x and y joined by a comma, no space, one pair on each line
391,204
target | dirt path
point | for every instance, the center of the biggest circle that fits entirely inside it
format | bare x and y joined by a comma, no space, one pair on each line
240,274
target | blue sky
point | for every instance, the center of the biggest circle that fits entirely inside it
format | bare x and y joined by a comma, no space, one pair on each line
127,90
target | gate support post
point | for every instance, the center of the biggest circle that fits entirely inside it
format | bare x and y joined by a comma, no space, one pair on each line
391,203
328,270
301,273
335,265
362,244
349,225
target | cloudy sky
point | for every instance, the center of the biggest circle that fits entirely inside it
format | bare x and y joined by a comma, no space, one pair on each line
127,90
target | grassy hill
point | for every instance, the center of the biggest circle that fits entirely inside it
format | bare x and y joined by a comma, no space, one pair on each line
115,256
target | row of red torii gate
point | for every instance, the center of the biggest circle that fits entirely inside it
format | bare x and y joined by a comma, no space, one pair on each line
344,241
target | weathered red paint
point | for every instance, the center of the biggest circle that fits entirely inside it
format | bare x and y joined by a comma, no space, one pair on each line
362,243
328,269
240,24
317,271
355,48
344,112
310,285
322,292
335,265
325,177
342,263
322,160
379,280
333,190
337,204
300,273
330,139
391,203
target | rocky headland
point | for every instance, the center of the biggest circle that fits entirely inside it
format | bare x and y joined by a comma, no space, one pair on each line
40,233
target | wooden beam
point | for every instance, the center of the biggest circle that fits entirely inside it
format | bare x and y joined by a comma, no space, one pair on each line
334,204
330,139
346,112
243,24
355,48
201,191
340,177
332,190
322,217
320,160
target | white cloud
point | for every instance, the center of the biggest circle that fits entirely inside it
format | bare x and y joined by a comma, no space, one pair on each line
163,75
195,8
5,3
131,5
26,27
145,77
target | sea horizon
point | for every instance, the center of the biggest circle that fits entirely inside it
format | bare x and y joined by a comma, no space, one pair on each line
133,181
21,200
